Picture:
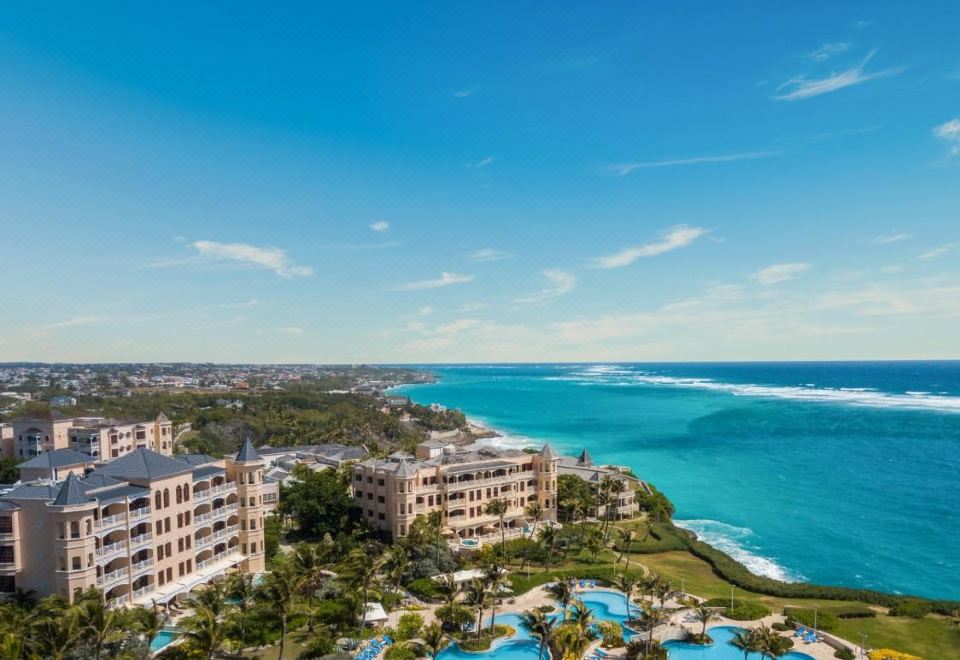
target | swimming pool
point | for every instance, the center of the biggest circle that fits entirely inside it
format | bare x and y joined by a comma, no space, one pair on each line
610,606
721,649
163,639
520,646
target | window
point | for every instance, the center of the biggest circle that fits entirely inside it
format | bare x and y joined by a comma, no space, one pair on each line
179,520
169,574
166,525
189,566
160,554
179,545
75,529
166,497
6,525
179,495
157,502
186,518
381,499
75,563
189,542
159,527
380,482
244,548
252,502
6,554
169,548
180,569
160,579
380,516
358,477
186,493
253,524
89,560
89,527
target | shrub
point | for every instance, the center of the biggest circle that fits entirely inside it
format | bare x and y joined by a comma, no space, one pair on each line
424,588
612,634
781,627
844,654
400,652
409,626
721,602
915,609
852,611
822,619
747,612
890,654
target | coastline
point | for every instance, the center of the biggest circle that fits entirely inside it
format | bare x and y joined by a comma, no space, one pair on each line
726,565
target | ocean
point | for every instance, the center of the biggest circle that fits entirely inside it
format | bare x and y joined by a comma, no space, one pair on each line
837,473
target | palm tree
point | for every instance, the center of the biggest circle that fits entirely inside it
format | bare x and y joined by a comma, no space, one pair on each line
359,573
534,511
204,632
594,544
99,624
550,538
498,508
449,588
56,636
308,565
279,591
11,646
477,597
399,561
769,643
626,584
562,593
241,591
495,581
617,486
434,639
148,621
652,617
539,625
627,537
661,589
747,641
581,615
704,615
435,522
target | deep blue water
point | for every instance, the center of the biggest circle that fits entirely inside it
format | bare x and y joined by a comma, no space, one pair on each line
839,473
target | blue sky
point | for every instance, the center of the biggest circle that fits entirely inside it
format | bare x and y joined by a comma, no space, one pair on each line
457,182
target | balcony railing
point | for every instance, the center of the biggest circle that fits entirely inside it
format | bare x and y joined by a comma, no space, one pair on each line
112,521
115,576
203,541
142,512
140,540
202,518
216,490
224,510
225,532
118,601
200,495
138,566
477,483
113,548
143,591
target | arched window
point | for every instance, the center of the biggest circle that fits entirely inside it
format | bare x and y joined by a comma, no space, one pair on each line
179,495
157,503
186,493
166,497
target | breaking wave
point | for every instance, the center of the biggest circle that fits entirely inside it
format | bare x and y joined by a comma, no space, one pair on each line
735,541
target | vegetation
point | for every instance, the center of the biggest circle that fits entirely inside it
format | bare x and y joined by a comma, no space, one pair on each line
318,502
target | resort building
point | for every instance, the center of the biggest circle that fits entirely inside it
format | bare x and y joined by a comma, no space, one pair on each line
98,437
459,482
598,475
143,527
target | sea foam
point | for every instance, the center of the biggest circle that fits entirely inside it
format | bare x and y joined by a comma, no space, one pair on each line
736,542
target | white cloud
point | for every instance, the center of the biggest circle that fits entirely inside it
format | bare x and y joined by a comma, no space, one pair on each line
488,254
380,226
895,268
892,238
464,93
949,132
623,169
445,279
483,162
290,330
828,50
802,87
672,239
271,258
939,250
559,283
779,272
425,310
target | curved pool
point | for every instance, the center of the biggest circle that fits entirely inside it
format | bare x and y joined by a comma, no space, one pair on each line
721,649
520,646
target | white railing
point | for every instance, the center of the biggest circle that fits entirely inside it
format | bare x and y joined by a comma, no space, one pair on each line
203,564
142,538
111,521
139,513
476,483
112,548
202,517
143,591
199,495
216,490
138,566
118,601
203,541
115,576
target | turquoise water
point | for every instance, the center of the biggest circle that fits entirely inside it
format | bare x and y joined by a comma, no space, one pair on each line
839,473
721,649
163,638
520,646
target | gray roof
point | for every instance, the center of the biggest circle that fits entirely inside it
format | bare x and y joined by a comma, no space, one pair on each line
547,452
56,459
96,480
144,464
196,459
33,492
584,458
206,471
71,493
120,493
405,470
247,452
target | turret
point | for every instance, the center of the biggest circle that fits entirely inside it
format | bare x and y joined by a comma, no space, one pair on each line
247,470
547,461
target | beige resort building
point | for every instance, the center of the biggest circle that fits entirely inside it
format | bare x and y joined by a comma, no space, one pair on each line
143,527
459,482
100,438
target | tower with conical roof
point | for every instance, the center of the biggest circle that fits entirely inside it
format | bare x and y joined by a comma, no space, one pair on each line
75,541
246,469
546,463
404,487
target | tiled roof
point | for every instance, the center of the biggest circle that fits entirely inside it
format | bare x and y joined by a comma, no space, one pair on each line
144,464
247,452
56,459
71,493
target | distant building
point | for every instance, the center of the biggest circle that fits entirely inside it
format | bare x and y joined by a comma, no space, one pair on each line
458,482
594,475
97,437
62,401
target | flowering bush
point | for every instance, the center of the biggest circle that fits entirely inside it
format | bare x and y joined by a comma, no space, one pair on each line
890,654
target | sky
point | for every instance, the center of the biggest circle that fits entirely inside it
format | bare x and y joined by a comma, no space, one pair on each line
470,182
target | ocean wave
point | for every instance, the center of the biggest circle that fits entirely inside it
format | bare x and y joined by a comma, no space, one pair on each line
502,440
735,541
857,396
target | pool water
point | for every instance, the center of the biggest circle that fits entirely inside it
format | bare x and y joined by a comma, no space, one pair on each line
520,646
721,649
610,606
162,639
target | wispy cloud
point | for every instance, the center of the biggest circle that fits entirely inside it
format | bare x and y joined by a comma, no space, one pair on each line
939,250
271,258
488,254
381,226
779,272
672,239
623,169
949,132
445,279
464,93
801,87
892,238
71,323
483,162
828,50
560,283
425,310
290,330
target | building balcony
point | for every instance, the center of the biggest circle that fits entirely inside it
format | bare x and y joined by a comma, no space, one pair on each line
137,541
201,495
111,578
109,522
113,549
141,565
479,483
142,512
201,518
226,532
203,541
142,591
224,488
119,601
